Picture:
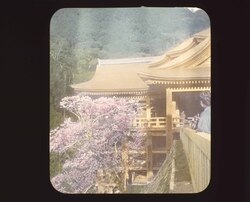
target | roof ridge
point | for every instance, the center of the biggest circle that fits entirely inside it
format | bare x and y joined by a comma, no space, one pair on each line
126,60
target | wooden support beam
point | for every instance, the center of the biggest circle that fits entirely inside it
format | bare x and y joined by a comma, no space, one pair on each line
149,158
148,109
169,133
168,101
169,116
173,108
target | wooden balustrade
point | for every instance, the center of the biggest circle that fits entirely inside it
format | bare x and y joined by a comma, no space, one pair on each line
176,122
154,122
197,149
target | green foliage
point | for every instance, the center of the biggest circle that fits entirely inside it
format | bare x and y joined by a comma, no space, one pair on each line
62,67
57,160
181,164
56,117
83,76
127,32
135,189
86,59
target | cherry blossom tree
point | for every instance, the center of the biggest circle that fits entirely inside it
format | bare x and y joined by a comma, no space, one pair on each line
102,126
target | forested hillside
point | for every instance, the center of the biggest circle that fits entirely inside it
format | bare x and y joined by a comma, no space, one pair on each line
79,36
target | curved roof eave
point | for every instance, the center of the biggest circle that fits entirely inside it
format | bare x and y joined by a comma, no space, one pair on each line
183,52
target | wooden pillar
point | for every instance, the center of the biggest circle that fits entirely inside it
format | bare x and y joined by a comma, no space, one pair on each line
133,177
169,101
173,114
173,106
148,109
177,115
149,158
169,119
149,143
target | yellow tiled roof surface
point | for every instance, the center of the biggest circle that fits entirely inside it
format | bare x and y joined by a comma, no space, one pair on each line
189,60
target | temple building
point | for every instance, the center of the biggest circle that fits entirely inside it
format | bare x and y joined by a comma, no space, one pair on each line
167,85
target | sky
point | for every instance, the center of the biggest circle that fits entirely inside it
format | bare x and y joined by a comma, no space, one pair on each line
193,9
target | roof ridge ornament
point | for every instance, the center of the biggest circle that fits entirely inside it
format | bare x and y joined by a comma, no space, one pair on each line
170,55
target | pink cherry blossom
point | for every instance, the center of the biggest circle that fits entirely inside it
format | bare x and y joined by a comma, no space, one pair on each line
102,126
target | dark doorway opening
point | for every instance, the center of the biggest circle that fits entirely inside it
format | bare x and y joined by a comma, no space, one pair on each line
158,100
189,102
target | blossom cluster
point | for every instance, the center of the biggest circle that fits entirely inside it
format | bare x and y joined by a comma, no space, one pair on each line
102,126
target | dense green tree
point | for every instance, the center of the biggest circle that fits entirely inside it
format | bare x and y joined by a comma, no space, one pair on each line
127,32
62,67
